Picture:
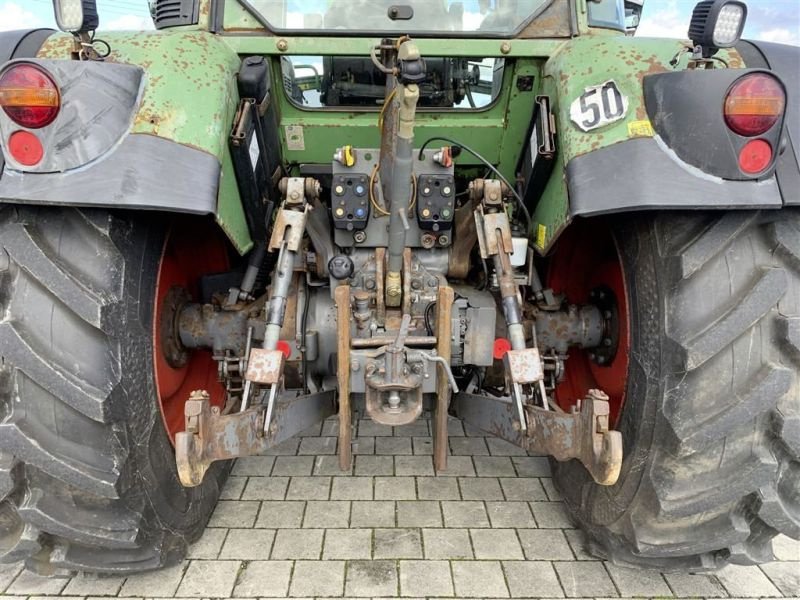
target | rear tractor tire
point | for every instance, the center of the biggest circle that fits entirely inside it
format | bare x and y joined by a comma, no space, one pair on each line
710,415
87,472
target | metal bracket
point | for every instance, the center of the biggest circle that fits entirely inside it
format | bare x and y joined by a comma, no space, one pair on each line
289,227
211,436
494,233
583,434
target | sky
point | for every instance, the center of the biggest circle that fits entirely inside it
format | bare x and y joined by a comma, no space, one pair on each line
771,20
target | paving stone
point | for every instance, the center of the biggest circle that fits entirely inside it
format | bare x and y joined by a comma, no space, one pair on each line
161,583
479,579
393,446
234,513
248,544
253,466
438,488
93,585
480,488
309,488
422,446
746,581
397,543
317,445
328,464
419,428
413,465
785,576
550,489
579,544
454,427
494,466
419,513
209,545
447,544
374,465
233,488
458,466
281,515
531,466
7,575
352,488
395,488
368,427
638,582
286,448
498,447
469,446
377,513
371,578
544,544
510,514
785,548
522,488
686,585
527,579
315,578
497,544
585,579
265,488
264,578
209,579
425,578
465,514
323,514
293,465
364,445
346,544
551,515
330,426
298,544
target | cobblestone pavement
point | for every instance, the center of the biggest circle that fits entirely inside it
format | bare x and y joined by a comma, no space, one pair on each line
492,527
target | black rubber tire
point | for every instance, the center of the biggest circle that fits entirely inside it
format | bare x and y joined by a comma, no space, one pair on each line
87,473
711,423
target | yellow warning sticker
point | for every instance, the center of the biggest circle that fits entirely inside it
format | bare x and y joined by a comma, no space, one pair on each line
541,235
640,129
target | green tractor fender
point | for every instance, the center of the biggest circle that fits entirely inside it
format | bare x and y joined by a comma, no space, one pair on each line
160,108
639,131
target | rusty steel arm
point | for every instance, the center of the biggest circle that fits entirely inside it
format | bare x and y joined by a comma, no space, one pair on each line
211,436
583,434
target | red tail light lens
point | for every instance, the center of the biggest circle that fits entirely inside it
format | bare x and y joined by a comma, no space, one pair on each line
754,104
25,148
755,157
29,96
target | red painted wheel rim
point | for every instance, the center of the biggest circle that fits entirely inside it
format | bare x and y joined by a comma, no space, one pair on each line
190,251
585,259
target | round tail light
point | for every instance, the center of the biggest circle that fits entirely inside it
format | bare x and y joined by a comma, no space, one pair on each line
755,157
29,96
754,104
25,148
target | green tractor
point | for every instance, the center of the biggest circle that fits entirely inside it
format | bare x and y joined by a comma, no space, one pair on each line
269,212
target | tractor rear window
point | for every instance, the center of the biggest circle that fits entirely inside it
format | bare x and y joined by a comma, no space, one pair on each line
489,17
353,81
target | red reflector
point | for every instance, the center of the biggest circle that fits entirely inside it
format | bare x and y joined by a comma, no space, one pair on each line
755,157
29,96
25,148
501,346
754,104
284,347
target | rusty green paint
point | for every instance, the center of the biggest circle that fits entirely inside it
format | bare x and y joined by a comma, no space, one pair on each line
190,96
588,61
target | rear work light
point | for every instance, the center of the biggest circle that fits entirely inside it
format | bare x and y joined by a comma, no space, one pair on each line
29,96
754,104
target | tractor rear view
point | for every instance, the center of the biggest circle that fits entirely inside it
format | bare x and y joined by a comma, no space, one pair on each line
267,213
